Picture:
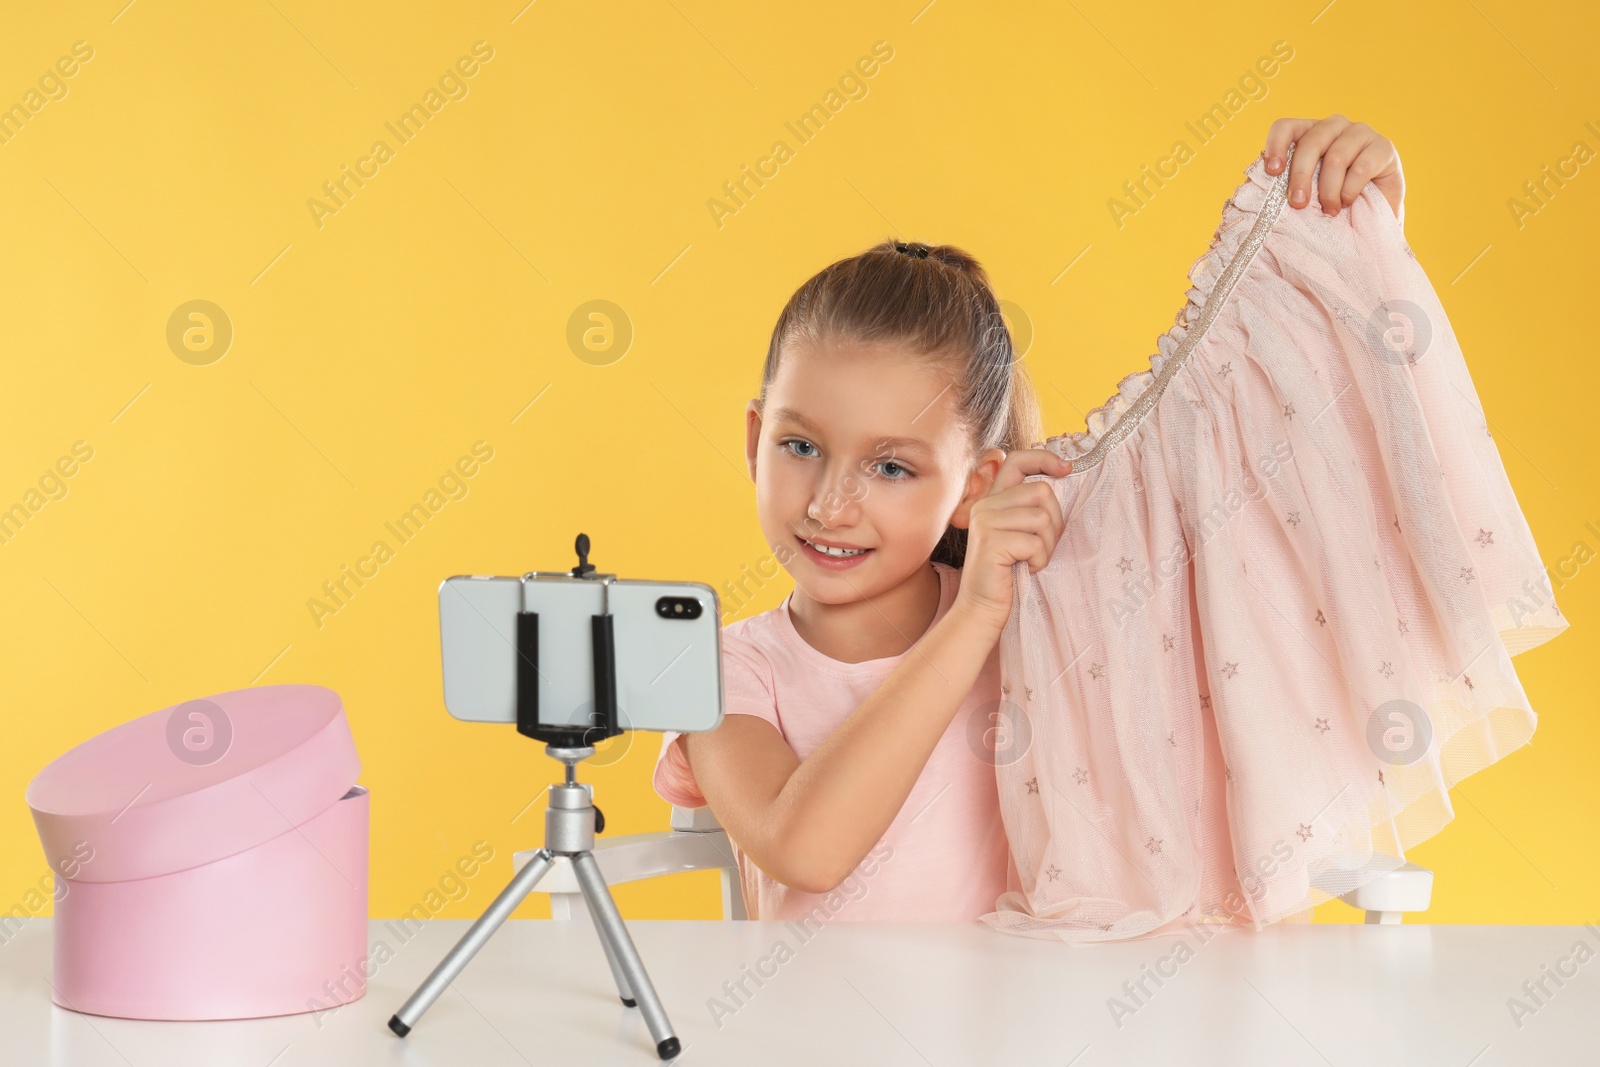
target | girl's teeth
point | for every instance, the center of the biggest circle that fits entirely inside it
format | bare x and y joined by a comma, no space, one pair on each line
827,551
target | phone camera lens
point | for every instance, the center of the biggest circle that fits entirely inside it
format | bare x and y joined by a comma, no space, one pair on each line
678,607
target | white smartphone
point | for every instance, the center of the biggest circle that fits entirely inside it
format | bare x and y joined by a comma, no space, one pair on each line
667,637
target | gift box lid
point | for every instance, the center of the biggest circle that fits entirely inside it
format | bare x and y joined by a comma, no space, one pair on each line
194,782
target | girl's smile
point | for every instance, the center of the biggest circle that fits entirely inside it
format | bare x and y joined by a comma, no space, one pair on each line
839,560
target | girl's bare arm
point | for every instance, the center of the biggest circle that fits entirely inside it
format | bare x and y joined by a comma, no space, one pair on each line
809,823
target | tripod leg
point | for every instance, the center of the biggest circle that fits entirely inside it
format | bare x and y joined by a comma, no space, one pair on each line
473,940
609,923
623,989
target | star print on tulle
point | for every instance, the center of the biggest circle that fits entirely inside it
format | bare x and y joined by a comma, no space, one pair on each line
1485,538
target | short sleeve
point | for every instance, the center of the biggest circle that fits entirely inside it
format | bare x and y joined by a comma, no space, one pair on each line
748,688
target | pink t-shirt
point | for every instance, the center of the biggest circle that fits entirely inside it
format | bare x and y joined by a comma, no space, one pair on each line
944,857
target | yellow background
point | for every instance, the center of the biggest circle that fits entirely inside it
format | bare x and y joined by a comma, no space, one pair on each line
432,309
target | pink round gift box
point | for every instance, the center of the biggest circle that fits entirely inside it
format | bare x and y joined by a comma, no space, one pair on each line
211,860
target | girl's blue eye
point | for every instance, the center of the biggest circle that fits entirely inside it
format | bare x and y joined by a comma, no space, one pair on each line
793,442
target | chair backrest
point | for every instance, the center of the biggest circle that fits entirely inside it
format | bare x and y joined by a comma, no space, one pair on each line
1408,888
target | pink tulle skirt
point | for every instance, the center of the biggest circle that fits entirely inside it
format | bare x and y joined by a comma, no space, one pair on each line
1279,624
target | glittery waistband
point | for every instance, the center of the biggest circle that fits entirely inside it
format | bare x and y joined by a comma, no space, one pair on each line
1140,408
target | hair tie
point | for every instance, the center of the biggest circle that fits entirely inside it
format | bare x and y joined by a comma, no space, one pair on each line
919,251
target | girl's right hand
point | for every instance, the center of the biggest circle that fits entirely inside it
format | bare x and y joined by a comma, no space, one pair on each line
1015,521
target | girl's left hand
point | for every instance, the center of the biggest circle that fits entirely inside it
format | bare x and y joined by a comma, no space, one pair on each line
1352,155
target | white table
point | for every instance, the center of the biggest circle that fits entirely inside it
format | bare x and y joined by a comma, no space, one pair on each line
949,995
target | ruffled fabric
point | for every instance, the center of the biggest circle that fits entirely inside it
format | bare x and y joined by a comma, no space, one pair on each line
1277,628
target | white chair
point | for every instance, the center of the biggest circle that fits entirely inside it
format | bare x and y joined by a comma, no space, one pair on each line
698,842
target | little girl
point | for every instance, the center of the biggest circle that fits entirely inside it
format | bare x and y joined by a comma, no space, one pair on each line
850,769
868,717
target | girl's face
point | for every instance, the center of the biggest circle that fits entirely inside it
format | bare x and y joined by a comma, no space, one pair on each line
859,446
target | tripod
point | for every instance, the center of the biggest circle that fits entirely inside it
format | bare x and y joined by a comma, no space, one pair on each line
569,827
570,823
